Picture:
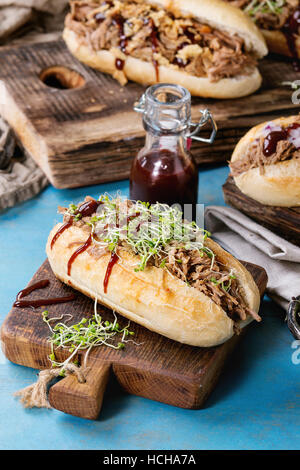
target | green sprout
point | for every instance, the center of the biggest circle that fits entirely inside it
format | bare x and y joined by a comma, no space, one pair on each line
84,335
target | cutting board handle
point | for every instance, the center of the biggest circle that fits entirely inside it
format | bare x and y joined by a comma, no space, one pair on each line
81,399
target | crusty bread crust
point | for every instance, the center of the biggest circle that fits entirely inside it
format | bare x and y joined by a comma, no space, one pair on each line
144,73
279,185
153,297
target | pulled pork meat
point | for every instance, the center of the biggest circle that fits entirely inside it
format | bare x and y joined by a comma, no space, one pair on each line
256,158
210,277
144,31
264,16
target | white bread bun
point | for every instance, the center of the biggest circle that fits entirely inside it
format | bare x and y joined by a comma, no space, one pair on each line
279,185
153,298
212,12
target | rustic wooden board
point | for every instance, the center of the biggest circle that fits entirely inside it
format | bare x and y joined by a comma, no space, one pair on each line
89,135
281,220
157,368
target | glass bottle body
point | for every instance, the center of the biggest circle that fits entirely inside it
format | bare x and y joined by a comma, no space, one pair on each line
164,171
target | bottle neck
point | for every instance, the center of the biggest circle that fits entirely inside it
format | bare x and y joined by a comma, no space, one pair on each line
176,143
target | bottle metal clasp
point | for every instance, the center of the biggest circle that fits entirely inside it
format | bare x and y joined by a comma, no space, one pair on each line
206,117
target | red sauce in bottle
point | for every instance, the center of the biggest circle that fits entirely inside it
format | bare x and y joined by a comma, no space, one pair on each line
164,176
39,302
113,260
80,250
290,30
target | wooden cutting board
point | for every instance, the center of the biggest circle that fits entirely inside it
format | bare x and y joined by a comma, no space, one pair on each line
89,134
284,221
157,368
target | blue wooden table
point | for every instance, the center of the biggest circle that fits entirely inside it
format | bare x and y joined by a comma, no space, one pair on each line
256,402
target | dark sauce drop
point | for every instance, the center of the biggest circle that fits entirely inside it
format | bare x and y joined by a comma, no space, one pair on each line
113,260
290,30
99,17
88,208
119,64
80,250
271,141
39,302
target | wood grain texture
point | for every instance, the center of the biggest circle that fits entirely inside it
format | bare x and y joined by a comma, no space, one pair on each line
283,221
90,135
157,368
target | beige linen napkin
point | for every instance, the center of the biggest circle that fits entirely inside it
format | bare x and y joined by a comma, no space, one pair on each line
16,13
20,177
249,241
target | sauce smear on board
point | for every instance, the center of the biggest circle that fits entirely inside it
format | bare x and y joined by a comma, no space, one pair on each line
39,302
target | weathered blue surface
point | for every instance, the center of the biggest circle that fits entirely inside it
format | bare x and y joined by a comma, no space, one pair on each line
255,405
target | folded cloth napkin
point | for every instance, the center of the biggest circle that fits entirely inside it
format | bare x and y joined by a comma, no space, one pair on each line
20,177
48,6
249,241
16,13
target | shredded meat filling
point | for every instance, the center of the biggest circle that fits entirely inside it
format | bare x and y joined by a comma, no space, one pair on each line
255,157
158,36
264,18
210,277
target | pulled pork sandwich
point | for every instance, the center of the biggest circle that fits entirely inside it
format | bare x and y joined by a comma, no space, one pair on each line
206,46
279,21
149,265
266,162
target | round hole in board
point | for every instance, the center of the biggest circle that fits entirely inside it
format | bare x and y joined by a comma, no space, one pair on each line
61,77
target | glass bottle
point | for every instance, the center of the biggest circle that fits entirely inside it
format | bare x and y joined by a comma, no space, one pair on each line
164,169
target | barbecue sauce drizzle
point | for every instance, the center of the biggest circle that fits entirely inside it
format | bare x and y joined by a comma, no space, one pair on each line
59,232
290,30
86,209
119,21
80,250
113,259
39,302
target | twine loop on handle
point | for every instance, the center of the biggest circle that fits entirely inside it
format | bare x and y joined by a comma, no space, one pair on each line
35,395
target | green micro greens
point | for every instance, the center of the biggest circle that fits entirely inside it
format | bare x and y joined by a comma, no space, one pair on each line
84,335
225,287
265,6
146,229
